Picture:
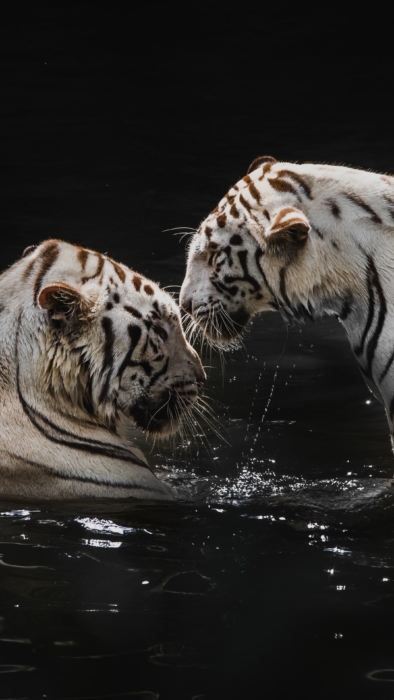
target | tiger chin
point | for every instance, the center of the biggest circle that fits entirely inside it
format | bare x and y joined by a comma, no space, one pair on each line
87,347
303,240
222,327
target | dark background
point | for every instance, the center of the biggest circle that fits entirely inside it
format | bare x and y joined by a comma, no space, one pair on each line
117,124
276,580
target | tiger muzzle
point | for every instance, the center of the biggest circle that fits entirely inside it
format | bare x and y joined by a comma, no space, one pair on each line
162,415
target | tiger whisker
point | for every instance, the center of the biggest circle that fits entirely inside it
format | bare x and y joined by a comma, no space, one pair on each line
181,228
189,415
211,425
204,409
159,409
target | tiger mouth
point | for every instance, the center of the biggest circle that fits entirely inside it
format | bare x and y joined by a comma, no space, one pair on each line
163,417
221,327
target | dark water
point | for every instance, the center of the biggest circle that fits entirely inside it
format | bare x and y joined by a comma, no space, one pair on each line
274,573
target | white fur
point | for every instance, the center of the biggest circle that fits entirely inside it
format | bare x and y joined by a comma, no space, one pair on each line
62,405
331,252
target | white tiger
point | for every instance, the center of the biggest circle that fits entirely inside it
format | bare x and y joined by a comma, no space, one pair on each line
305,240
86,345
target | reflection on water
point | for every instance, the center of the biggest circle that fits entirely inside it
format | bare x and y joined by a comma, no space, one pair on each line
195,599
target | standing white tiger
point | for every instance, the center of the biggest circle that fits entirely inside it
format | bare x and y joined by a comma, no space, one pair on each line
86,344
305,240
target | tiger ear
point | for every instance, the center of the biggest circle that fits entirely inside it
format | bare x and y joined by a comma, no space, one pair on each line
63,301
288,231
261,160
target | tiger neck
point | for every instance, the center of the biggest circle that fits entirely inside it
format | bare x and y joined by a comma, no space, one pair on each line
30,407
351,260
368,325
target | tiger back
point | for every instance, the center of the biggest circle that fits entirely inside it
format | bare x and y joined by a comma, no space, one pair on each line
87,346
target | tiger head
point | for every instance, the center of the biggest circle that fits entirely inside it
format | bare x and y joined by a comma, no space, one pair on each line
104,340
257,251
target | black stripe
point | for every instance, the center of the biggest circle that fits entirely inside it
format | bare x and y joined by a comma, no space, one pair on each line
374,289
391,408
86,479
79,443
373,342
107,325
228,251
258,255
160,373
135,335
287,315
371,310
108,356
157,307
146,366
133,311
316,230
390,202
356,199
243,259
347,307
335,210
153,346
82,443
298,179
222,287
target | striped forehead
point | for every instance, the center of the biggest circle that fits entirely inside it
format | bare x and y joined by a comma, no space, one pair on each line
249,206
57,261
253,197
219,230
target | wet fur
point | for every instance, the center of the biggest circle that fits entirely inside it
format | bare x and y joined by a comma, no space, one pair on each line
86,343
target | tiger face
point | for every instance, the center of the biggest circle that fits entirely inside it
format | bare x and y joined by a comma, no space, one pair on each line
257,251
110,341
223,288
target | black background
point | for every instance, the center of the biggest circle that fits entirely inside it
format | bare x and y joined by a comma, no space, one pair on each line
118,124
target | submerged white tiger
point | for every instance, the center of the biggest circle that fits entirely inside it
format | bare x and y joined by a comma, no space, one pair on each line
86,346
304,240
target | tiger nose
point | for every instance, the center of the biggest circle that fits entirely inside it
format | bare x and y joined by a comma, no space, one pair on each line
186,301
198,371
